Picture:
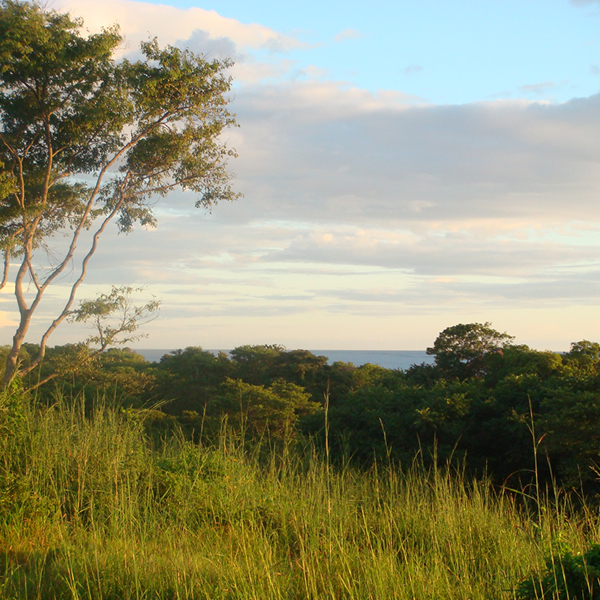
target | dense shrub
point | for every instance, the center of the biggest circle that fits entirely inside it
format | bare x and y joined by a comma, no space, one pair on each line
567,576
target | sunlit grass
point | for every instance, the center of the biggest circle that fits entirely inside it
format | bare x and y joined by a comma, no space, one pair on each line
90,508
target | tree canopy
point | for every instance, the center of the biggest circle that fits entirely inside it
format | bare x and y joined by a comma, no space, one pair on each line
86,140
461,350
520,404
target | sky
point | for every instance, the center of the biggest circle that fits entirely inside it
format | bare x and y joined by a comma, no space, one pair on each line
405,166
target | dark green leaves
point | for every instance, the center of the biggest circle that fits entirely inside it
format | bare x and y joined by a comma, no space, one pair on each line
461,350
86,140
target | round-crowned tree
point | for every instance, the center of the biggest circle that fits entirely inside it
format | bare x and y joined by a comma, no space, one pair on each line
461,350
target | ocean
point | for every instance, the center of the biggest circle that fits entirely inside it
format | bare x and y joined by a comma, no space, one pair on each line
390,359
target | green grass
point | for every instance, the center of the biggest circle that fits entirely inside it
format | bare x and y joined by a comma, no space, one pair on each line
91,508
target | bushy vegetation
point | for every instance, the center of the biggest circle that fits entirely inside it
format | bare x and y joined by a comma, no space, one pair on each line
91,506
269,473
568,576
477,406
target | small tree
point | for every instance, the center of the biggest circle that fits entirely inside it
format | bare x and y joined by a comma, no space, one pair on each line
274,410
85,140
584,351
460,350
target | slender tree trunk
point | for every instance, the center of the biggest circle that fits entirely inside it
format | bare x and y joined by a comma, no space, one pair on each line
12,361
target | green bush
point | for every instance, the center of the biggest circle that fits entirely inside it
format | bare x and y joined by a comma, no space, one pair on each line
567,576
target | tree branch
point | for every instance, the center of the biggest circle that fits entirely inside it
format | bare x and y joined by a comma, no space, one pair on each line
33,275
6,268
64,313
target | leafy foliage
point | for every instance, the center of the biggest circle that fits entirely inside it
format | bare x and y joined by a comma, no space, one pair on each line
85,141
265,412
463,350
482,423
113,315
567,576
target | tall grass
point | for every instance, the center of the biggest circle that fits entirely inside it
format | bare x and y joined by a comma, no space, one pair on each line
91,508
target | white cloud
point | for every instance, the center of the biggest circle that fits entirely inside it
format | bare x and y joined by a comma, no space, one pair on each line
321,152
375,205
252,71
201,42
141,20
538,88
314,72
437,198
255,49
347,34
7,320
336,177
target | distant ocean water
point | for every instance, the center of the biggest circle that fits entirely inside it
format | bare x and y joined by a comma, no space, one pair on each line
390,359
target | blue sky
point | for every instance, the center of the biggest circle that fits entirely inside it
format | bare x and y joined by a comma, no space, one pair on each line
438,50
405,167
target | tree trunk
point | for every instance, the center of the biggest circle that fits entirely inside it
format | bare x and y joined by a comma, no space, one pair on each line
12,362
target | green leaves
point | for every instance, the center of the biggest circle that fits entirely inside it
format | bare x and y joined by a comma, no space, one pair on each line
86,141
461,350
114,317
68,109
272,410
568,576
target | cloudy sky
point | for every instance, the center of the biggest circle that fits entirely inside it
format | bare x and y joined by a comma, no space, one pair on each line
405,166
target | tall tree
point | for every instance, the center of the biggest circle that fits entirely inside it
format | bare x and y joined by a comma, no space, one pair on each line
86,140
461,350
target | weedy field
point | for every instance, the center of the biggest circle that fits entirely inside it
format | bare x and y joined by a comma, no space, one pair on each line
92,506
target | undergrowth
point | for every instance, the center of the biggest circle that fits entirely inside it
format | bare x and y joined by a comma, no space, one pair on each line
91,507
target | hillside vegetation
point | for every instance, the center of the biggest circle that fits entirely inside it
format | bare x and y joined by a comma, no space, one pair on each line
268,473
92,507
489,406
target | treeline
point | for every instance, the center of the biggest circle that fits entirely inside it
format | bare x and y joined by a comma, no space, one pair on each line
486,404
